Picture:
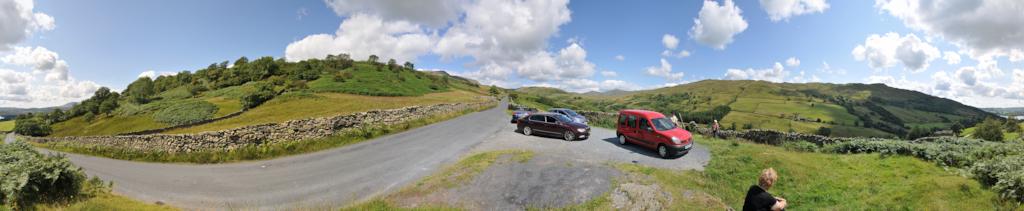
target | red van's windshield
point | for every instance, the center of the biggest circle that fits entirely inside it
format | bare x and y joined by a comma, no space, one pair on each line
662,124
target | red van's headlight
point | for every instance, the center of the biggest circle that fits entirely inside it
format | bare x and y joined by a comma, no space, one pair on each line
676,140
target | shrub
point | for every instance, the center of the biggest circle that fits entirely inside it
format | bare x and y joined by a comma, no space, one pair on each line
186,112
989,130
261,93
801,146
824,131
28,177
31,127
1005,175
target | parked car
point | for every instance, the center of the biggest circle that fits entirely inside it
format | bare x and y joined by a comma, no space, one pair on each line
553,124
654,131
569,112
519,114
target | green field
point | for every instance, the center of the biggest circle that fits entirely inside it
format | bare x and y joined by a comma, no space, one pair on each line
368,89
366,80
809,181
816,181
7,126
968,132
292,107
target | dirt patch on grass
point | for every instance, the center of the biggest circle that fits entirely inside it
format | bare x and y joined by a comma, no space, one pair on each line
513,183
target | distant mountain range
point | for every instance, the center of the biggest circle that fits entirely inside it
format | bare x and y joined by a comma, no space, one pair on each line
1014,111
7,113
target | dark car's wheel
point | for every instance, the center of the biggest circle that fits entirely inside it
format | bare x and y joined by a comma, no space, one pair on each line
663,151
527,131
622,140
569,136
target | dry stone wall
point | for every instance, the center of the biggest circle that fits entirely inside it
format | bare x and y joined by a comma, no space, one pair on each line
294,130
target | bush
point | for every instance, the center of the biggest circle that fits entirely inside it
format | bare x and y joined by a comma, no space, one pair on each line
801,146
1005,175
31,127
261,93
989,130
186,112
28,177
824,131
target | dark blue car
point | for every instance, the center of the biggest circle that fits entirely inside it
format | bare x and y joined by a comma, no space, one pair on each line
576,117
519,114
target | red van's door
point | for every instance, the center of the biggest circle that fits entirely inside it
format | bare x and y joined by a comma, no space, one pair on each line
631,130
647,137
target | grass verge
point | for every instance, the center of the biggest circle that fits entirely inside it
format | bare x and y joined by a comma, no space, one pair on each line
449,177
256,152
817,181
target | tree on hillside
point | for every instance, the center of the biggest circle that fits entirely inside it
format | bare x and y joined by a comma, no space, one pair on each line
31,126
989,130
241,62
373,59
409,65
140,90
494,90
918,132
1012,125
392,64
956,128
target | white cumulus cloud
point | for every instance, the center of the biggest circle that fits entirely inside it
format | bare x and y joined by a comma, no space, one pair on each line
363,35
777,73
951,57
779,10
665,71
670,41
884,51
435,13
793,62
981,26
716,25
18,21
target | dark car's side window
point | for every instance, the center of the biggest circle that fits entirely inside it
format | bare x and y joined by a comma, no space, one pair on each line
631,121
538,118
550,119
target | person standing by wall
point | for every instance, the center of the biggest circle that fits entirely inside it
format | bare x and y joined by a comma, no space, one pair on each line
714,128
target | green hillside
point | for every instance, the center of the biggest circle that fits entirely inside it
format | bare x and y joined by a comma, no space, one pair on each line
266,89
872,110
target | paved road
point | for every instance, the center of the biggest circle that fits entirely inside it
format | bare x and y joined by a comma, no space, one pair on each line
337,177
9,138
320,180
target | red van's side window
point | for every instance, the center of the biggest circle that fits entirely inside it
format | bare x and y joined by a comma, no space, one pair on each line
631,121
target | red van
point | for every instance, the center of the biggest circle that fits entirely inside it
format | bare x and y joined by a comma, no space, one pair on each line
652,130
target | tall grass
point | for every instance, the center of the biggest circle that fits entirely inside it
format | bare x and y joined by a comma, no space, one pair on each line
816,181
254,152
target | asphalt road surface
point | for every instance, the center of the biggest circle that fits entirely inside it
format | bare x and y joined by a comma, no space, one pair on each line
325,179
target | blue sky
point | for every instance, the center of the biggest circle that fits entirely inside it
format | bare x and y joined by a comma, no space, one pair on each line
569,45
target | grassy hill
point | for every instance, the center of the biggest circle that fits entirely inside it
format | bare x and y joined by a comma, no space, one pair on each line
267,90
6,126
872,110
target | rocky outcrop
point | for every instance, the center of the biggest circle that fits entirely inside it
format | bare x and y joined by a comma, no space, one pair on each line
294,130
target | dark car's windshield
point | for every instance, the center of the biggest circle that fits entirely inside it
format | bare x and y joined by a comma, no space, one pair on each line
562,118
570,112
663,124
